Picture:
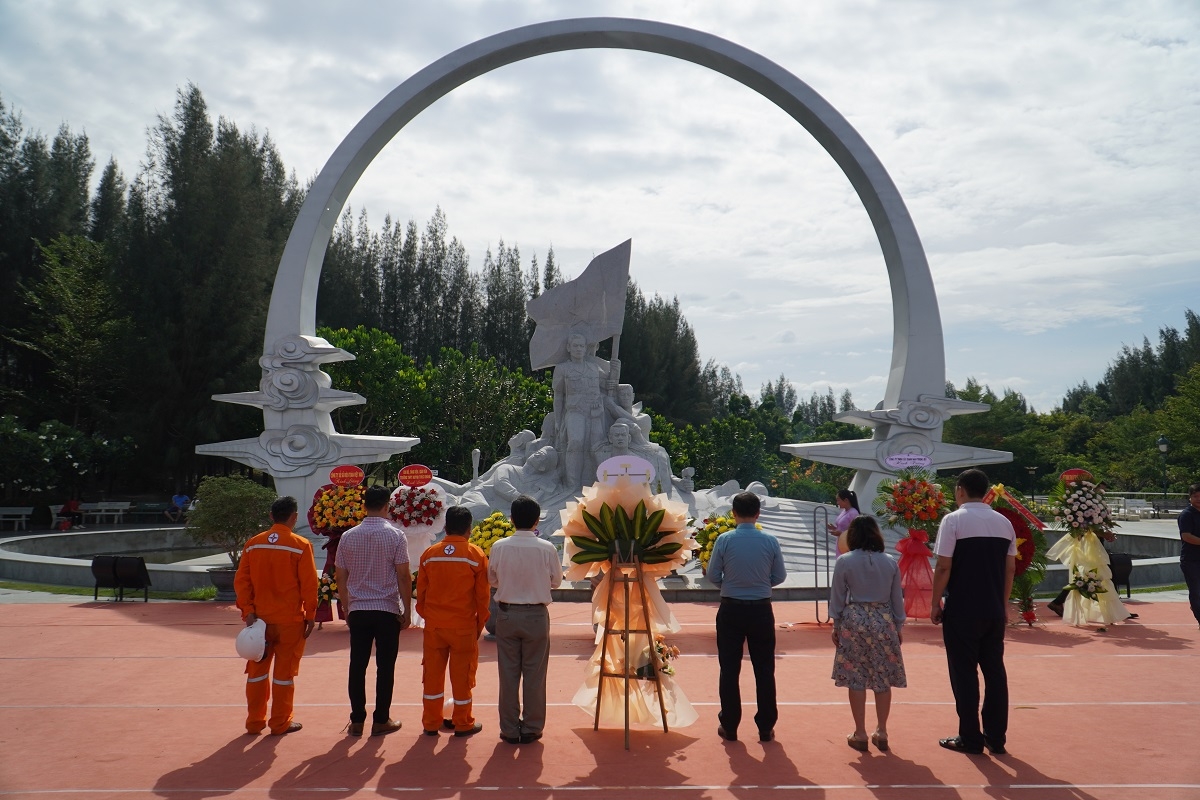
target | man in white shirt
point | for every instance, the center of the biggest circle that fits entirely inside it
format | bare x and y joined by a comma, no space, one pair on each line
976,559
523,568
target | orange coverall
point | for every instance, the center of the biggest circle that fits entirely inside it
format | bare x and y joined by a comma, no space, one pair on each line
277,581
452,596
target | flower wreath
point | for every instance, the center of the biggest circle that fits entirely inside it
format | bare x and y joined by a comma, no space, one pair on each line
415,505
336,508
911,500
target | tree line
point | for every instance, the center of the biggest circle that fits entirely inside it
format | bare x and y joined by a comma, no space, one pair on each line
134,302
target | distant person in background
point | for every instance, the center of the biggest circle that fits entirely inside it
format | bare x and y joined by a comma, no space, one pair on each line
1189,548
847,501
178,507
866,605
71,516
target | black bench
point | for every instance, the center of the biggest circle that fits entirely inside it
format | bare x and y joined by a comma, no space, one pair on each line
120,573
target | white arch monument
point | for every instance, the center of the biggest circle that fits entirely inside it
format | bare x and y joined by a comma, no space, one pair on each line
299,443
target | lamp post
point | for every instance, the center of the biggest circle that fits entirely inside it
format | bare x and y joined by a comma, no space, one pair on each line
1032,471
1164,445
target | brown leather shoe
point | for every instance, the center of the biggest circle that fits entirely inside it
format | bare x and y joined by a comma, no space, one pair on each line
384,728
353,729
291,728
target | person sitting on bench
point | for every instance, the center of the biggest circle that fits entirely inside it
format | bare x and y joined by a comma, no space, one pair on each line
178,507
70,515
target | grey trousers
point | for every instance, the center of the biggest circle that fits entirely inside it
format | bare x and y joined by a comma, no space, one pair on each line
522,659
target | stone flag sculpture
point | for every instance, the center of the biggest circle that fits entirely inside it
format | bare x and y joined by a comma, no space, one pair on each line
592,305
572,319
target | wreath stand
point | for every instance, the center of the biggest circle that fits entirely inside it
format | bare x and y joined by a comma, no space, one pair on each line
617,575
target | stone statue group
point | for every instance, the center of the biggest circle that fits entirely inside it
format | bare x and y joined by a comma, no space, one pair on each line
594,418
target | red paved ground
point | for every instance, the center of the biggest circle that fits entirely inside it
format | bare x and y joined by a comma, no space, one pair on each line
101,700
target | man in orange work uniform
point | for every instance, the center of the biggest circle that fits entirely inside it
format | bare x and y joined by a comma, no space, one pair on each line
452,596
277,582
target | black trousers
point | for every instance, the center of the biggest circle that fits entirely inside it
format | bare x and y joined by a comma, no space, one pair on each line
753,625
1191,574
380,629
974,646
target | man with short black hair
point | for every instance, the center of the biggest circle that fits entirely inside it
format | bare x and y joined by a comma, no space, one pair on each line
372,576
1189,547
523,568
976,559
745,564
277,582
452,597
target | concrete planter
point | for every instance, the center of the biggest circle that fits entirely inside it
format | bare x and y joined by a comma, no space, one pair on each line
222,578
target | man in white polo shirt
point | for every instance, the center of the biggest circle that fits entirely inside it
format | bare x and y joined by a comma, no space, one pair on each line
523,568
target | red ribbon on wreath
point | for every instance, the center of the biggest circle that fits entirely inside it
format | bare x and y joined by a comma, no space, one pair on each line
916,576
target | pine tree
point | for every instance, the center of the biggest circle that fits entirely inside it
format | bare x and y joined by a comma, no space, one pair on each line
108,208
551,277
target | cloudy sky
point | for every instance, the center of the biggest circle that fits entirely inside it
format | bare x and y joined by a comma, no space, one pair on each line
1048,152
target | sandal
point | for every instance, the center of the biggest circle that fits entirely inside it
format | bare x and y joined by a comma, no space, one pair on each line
858,744
880,741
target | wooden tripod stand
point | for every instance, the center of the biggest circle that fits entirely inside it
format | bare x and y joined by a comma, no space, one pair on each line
617,574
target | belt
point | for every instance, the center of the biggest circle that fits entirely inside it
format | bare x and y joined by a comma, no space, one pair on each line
507,606
766,601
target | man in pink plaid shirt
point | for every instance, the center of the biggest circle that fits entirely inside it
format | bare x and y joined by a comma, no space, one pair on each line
372,576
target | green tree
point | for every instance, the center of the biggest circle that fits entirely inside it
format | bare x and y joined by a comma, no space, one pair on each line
476,402
208,216
783,393
1180,421
108,213
660,358
75,325
229,511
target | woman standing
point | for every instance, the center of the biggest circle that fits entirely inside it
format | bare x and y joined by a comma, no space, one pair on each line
325,608
867,609
847,501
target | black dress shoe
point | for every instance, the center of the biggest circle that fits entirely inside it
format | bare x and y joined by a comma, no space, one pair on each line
526,738
476,728
448,724
726,735
956,744
766,736
510,739
995,749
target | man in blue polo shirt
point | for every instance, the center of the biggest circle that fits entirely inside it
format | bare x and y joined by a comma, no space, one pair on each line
1189,547
745,564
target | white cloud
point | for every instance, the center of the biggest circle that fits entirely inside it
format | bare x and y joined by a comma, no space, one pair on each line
1048,157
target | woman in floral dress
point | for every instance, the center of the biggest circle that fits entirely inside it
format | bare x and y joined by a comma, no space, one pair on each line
867,609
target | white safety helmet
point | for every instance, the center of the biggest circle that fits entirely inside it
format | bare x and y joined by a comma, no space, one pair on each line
252,641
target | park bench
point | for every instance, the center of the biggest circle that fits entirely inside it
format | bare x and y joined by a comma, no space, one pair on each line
112,511
153,511
1137,508
19,517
